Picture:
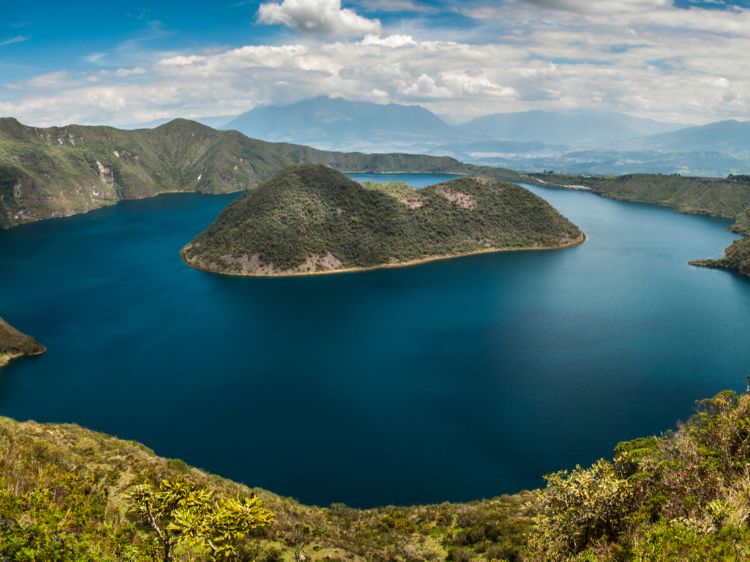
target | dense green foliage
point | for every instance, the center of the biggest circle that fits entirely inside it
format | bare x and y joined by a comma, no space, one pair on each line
70,494
311,218
61,171
15,344
182,513
683,496
67,493
729,198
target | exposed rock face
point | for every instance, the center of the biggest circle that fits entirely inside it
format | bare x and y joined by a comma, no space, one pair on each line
458,198
105,173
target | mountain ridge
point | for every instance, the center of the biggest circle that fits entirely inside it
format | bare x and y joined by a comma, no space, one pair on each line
60,171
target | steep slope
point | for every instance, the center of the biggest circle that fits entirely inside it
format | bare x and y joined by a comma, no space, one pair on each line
337,123
310,219
61,171
15,344
64,495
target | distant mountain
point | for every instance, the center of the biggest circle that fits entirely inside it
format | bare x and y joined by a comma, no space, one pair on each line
333,123
312,219
566,128
728,137
215,122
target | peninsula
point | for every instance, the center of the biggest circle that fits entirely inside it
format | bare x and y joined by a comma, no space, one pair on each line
14,344
719,197
310,219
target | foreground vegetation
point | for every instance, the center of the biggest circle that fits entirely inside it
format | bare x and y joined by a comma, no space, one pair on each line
310,218
60,171
14,344
728,198
67,493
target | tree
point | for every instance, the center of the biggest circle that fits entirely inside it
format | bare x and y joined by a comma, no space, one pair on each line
180,512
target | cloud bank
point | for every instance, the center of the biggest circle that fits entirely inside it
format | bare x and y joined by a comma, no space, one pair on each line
658,61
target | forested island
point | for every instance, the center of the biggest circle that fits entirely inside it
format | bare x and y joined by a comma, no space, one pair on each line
14,344
312,219
68,494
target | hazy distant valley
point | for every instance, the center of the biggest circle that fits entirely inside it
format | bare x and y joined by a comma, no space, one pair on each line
581,142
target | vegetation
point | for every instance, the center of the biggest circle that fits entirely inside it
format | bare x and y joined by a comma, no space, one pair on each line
67,493
61,171
15,344
180,512
682,496
310,218
71,494
728,198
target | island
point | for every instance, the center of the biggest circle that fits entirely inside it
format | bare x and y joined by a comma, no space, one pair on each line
14,344
311,219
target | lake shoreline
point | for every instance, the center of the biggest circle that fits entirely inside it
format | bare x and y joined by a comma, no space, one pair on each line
581,239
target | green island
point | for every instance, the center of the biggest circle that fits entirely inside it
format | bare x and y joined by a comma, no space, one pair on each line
14,344
71,494
720,197
310,219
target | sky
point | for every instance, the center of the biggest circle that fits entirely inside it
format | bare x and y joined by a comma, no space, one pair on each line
123,63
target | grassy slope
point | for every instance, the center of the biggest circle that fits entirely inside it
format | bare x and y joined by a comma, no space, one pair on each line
729,198
311,210
66,481
60,171
15,344
684,496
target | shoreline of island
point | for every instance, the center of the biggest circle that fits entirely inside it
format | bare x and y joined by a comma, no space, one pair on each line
581,239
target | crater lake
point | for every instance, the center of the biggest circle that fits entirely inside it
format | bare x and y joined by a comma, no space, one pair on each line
453,380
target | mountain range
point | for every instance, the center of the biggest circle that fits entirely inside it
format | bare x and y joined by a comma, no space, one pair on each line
574,141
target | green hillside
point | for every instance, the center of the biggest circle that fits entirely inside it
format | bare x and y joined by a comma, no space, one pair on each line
309,218
728,198
15,344
70,494
60,171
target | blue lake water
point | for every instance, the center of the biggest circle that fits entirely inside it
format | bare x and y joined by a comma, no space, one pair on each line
454,380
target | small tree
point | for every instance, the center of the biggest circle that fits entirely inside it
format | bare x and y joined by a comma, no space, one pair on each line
180,512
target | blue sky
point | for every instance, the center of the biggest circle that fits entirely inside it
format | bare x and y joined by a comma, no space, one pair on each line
129,62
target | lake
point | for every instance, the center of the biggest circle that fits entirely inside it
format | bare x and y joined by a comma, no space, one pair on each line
454,380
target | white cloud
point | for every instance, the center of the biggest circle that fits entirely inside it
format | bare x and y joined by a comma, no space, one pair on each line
688,66
318,17
14,40
600,6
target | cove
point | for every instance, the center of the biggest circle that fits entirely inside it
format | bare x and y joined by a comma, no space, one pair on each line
453,380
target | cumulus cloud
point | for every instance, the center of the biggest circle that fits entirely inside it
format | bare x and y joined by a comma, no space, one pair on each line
318,17
687,66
